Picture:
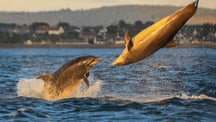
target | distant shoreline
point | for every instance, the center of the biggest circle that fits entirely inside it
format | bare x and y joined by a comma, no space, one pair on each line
62,46
190,45
199,45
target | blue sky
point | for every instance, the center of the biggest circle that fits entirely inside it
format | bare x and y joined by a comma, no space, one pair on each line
46,5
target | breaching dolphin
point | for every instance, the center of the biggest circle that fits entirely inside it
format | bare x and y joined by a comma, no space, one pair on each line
62,82
157,36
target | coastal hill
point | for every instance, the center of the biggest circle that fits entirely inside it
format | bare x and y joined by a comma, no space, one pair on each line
105,15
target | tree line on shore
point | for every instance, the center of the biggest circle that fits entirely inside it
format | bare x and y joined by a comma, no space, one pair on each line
38,32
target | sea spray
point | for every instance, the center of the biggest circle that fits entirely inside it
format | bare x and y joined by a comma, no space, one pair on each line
30,88
92,91
35,88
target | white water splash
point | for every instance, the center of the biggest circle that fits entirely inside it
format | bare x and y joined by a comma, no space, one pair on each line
35,88
30,88
92,91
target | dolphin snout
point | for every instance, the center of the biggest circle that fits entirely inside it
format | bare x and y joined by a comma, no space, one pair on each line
118,62
95,61
98,59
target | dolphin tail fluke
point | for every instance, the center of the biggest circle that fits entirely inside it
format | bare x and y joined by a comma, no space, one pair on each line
196,3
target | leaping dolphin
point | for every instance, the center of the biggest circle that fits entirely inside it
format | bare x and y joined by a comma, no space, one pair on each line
157,36
62,82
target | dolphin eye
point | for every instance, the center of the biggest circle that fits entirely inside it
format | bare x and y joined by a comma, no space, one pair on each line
85,63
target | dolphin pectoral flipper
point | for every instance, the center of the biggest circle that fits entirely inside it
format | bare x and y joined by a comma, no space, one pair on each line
86,80
170,41
170,44
87,75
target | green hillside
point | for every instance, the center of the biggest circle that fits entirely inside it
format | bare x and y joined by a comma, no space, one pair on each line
104,16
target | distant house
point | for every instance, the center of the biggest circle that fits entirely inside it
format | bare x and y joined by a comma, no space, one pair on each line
64,25
88,34
96,34
41,29
23,29
74,31
7,28
55,30
100,35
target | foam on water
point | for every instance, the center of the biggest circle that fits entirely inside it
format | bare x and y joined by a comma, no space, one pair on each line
30,88
201,96
92,91
147,99
36,88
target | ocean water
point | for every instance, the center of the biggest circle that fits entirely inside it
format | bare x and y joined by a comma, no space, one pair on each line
177,84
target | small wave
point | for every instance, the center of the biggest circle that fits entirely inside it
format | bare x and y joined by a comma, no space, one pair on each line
26,112
153,98
162,67
201,96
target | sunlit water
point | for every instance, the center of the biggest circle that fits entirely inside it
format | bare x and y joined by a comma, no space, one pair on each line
176,84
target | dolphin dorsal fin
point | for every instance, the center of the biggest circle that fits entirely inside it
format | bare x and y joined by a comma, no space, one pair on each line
128,41
45,77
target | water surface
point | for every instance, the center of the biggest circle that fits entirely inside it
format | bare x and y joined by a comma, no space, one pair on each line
171,85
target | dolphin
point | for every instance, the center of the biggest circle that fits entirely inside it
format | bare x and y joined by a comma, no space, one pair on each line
157,36
62,82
